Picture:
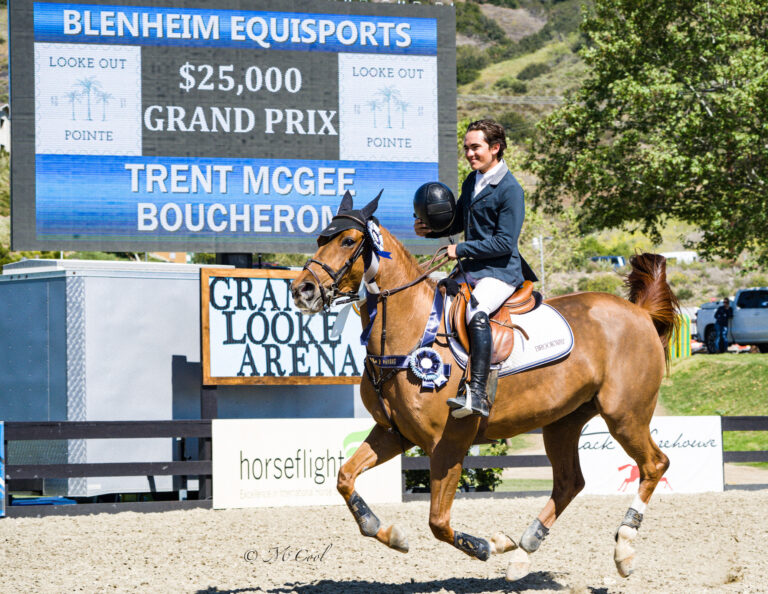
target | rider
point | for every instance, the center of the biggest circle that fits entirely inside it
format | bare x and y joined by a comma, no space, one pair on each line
490,211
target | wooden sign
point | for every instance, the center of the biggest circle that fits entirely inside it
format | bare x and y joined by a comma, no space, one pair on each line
252,333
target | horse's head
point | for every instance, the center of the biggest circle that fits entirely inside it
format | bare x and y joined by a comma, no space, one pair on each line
335,271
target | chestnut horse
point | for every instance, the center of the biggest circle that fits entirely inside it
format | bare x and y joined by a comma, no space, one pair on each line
615,369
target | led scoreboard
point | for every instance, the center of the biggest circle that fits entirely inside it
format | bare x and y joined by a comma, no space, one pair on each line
237,126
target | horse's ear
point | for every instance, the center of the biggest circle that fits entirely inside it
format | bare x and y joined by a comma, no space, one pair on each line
371,207
346,203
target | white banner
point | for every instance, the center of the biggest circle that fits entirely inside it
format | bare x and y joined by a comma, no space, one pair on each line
280,462
252,332
693,444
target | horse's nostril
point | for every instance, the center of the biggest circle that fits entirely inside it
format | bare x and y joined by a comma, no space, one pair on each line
307,289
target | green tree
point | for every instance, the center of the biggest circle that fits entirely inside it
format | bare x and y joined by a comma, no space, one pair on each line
671,121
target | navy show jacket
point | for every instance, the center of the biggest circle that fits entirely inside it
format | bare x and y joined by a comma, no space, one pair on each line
491,222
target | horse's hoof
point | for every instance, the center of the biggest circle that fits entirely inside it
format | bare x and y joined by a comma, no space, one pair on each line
519,566
501,543
624,553
398,540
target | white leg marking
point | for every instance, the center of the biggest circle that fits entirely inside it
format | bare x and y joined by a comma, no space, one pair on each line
638,505
398,540
501,543
519,566
624,553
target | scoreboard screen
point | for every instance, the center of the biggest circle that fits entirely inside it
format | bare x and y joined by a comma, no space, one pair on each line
151,125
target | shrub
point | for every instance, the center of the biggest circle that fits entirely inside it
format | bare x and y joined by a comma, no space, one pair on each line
416,479
469,62
504,3
471,21
605,283
561,290
484,478
507,83
678,279
517,126
533,71
419,479
490,478
684,293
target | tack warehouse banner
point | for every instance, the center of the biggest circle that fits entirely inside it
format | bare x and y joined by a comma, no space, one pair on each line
278,462
252,333
694,446
154,125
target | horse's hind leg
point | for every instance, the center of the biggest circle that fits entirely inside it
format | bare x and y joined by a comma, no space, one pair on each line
561,441
380,445
634,435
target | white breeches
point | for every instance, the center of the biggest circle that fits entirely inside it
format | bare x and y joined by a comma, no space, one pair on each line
491,293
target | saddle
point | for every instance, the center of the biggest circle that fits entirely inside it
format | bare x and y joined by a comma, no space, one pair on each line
522,301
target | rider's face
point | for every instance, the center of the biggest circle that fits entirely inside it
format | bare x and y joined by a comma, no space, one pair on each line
480,156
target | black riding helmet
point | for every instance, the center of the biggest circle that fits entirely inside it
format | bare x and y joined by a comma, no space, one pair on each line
435,204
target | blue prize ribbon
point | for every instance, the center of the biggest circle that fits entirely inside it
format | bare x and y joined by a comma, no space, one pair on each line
433,323
371,301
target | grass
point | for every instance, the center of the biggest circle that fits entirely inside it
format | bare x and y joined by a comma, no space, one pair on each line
727,385
525,485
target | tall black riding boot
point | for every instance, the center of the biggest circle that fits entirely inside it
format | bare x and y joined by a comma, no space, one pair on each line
480,343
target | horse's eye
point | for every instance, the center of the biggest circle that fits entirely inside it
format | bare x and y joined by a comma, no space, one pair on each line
347,242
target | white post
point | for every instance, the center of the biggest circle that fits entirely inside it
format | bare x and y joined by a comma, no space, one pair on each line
541,253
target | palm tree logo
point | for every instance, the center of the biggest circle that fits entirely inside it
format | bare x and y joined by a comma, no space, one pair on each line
374,105
389,95
104,98
402,105
89,85
73,97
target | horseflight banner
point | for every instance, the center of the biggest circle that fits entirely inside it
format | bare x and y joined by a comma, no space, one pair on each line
159,125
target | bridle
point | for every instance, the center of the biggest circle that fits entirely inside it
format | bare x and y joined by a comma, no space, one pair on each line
332,297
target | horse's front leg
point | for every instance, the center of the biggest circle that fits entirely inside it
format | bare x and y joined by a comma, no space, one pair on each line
445,471
380,445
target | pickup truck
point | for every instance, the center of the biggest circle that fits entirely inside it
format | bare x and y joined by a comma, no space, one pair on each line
748,326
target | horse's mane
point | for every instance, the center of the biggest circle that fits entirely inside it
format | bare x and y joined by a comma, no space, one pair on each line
412,267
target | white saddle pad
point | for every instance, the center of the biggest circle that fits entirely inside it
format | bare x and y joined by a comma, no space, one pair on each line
550,335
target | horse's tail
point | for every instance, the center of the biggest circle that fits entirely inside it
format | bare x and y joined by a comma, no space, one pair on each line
648,288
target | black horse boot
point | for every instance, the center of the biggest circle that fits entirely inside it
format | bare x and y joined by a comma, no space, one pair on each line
480,343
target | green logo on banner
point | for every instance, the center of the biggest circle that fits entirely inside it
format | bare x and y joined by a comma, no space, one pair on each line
353,441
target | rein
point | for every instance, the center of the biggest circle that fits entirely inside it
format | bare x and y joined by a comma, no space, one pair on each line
393,363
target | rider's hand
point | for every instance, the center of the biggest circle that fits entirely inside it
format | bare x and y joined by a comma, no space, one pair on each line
451,251
421,228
